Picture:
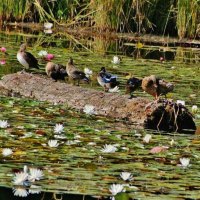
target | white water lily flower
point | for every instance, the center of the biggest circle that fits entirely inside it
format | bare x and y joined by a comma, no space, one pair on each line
88,72
53,143
109,148
126,176
60,137
147,138
4,124
35,174
116,188
180,102
116,60
20,178
185,162
58,128
20,192
194,109
92,143
7,151
34,189
113,90
42,53
48,25
89,109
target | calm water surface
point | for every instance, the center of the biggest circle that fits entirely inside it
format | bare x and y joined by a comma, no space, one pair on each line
77,168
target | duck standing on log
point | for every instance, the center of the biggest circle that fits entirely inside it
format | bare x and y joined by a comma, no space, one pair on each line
132,84
55,71
26,59
156,86
106,80
75,73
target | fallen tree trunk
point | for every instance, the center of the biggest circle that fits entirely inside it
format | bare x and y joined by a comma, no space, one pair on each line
106,104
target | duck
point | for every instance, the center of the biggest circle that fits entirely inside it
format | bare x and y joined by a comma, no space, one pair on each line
107,80
26,59
74,73
55,71
156,86
132,84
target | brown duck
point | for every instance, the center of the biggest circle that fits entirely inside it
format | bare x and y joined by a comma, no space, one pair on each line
26,59
74,73
156,86
55,71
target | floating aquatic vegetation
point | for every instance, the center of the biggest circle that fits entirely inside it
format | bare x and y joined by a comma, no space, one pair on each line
4,124
89,110
42,53
34,189
2,62
126,176
35,174
147,138
7,152
116,60
71,165
25,178
3,49
194,109
88,72
58,128
53,143
185,162
158,149
109,148
20,192
116,188
20,178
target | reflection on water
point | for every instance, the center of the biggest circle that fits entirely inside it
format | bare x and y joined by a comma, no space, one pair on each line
78,165
6,194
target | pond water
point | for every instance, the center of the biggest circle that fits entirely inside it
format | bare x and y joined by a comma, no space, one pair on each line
77,168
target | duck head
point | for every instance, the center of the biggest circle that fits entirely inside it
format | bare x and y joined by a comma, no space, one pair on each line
22,47
103,70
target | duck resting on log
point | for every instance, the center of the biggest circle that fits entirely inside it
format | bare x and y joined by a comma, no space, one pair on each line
74,73
55,71
26,59
156,86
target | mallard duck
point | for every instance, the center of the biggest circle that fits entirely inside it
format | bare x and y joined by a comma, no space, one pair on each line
156,86
75,73
132,84
106,80
26,59
55,71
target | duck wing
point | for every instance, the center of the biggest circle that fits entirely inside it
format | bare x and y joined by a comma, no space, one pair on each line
31,60
164,87
79,75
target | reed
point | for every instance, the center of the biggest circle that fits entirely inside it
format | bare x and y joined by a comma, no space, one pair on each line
187,18
177,17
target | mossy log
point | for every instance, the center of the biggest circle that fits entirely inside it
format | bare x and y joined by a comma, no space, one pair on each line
162,115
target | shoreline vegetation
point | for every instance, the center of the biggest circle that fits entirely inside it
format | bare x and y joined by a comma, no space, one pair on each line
174,18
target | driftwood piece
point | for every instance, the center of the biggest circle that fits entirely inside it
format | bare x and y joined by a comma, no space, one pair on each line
106,104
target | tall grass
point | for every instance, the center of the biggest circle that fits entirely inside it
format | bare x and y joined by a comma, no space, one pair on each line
188,17
173,17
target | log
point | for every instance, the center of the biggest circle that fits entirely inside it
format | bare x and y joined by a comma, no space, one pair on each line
111,105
